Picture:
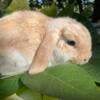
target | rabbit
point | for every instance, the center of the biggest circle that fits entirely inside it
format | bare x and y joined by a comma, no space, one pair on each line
30,41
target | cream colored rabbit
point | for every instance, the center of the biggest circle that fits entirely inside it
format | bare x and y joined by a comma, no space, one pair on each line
30,41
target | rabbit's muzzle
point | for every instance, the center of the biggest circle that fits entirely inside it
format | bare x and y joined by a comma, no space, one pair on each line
82,59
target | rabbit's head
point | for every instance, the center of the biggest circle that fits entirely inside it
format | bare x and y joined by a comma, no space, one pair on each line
65,40
74,43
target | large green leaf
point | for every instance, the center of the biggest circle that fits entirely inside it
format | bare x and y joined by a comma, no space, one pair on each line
64,81
8,86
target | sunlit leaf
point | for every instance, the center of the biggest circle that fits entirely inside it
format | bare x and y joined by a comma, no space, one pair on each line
66,82
27,94
13,97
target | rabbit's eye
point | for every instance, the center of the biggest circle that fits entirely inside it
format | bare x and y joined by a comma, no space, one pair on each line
70,42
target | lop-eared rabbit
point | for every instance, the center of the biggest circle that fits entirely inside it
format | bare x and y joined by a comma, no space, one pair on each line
31,41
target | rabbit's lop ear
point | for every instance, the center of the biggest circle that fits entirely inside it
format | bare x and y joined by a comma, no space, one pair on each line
44,52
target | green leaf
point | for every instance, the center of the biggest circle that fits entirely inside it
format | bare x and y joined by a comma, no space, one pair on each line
63,81
27,94
8,86
50,10
18,5
13,97
49,98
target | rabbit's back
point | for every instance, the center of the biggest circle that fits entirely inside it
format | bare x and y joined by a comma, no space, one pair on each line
22,31
20,36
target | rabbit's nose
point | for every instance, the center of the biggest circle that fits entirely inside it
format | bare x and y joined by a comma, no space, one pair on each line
80,61
83,61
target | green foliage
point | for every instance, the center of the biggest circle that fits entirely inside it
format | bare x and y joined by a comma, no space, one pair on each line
8,86
87,12
28,94
18,5
50,11
68,10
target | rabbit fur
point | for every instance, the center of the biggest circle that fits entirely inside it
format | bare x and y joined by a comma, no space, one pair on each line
31,41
